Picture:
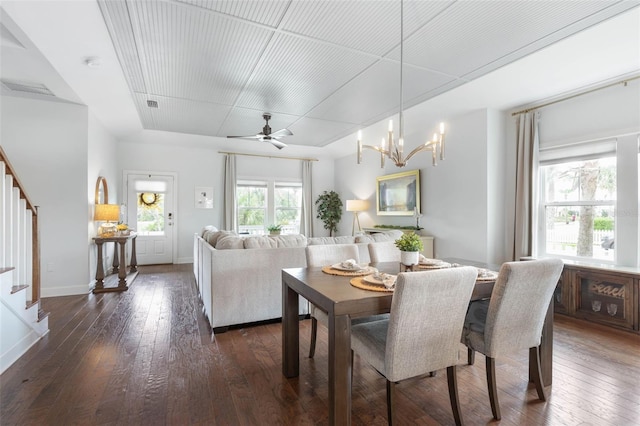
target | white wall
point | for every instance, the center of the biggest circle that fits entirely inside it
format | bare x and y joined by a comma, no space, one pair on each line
197,162
47,144
456,196
102,160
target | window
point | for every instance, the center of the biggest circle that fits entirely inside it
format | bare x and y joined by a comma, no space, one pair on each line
150,214
263,203
578,200
252,207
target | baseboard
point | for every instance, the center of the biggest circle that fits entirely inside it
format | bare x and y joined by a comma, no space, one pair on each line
184,260
16,351
66,291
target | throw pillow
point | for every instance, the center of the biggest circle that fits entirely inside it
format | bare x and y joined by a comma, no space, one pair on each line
258,242
294,240
230,242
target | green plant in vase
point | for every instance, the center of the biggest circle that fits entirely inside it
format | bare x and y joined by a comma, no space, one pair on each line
410,246
274,229
329,210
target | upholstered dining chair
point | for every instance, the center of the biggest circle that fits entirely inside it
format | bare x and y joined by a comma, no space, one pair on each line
422,332
512,319
323,255
384,252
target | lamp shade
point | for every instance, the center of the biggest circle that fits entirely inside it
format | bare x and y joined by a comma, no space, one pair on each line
107,213
357,205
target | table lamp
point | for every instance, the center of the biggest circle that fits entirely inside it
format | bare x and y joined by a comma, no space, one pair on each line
109,214
356,206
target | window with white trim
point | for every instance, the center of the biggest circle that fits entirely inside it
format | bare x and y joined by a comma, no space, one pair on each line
264,203
578,207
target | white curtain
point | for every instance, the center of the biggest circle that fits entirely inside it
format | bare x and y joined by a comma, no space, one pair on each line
526,183
229,216
306,216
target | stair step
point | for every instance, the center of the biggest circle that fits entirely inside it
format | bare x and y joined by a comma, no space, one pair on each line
17,288
42,316
6,269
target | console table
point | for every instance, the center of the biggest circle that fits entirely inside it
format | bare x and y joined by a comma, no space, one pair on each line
120,241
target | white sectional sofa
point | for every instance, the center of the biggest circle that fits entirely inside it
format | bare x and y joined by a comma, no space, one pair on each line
239,277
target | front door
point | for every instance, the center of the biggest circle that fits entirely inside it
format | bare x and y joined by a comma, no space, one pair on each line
150,211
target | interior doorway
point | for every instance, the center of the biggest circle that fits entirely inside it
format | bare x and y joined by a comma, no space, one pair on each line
150,211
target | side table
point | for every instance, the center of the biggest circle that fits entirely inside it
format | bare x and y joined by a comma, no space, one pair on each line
120,241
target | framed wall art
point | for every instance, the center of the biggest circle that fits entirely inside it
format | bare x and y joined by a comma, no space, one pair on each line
398,194
204,197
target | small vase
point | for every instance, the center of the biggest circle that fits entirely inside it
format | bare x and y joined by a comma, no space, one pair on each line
409,258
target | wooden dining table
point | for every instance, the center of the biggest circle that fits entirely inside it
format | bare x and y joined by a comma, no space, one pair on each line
342,301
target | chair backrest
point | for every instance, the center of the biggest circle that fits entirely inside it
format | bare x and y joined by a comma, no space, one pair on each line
384,252
328,254
519,303
426,321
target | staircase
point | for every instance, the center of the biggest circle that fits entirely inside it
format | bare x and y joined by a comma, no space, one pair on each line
22,320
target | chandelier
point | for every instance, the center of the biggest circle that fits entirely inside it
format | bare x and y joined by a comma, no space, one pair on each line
395,151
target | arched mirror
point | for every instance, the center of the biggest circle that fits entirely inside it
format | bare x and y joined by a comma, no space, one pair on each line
102,191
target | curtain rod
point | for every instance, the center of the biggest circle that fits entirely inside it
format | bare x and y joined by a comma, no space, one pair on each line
624,82
268,156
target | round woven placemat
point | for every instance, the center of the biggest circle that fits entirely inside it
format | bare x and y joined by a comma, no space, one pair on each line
360,283
442,265
366,271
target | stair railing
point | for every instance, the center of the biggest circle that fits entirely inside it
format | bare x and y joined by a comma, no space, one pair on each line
35,234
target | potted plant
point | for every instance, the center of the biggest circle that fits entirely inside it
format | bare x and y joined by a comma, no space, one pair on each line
410,246
274,229
329,210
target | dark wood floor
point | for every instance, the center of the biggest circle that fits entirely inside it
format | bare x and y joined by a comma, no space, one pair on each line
146,357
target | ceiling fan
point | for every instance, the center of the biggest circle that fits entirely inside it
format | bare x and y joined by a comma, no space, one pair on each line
266,136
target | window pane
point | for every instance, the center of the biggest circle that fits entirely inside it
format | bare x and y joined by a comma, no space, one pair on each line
150,214
288,201
582,231
252,208
581,180
579,208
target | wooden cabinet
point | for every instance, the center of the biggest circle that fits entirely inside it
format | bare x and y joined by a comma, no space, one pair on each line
607,295
605,298
563,296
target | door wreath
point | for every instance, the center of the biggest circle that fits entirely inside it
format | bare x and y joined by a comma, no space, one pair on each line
148,198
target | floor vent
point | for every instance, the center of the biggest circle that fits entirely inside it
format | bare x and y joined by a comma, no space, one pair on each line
17,86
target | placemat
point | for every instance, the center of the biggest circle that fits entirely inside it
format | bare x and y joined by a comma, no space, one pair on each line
491,276
366,271
442,265
360,283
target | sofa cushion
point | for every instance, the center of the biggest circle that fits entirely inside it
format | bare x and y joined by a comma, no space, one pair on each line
387,235
230,242
212,237
259,241
345,239
208,228
314,241
364,239
292,240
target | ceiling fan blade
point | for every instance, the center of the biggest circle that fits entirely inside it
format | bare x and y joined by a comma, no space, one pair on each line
277,143
246,137
274,142
280,133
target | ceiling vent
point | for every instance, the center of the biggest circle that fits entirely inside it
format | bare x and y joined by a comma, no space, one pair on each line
152,104
18,86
